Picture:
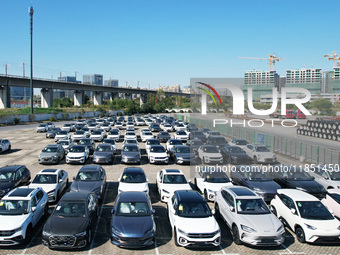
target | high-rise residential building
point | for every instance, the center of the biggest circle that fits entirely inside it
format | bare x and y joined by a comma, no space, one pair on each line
333,81
96,79
60,93
111,83
261,82
307,78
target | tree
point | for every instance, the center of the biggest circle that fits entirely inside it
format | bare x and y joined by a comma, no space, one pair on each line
322,104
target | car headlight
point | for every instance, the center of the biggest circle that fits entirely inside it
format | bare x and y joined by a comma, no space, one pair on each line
52,191
216,232
149,231
55,157
302,189
152,157
17,229
211,191
44,233
181,158
247,229
81,233
182,232
234,157
116,231
258,190
310,227
280,228
165,191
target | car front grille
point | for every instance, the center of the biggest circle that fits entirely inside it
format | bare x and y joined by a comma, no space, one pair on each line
6,233
203,235
62,241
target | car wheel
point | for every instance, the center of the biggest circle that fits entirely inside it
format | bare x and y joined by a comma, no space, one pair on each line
236,235
300,235
9,148
28,235
255,160
175,237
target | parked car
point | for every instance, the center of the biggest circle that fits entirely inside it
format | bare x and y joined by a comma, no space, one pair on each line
52,181
329,178
218,141
133,179
163,136
197,135
50,125
114,134
77,154
172,142
239,142
78,135
170,180
167,127
133,224
212,133
72,222
130,135
104,153
248,217
62,135
20,211
130,153
194,144
66,144
89,143
192,221
254,178
332,202
112,142
106,126
210,154
97,135
179,127
130,141
5,145
181,135
119,125
154,127
90,178
181,154
67,127
52,132
151,142
235,155
260,153
306,216
208,182
51,154
42,128
157,154
12,177
146,135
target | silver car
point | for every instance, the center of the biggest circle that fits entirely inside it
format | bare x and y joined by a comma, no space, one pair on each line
51,154
131,154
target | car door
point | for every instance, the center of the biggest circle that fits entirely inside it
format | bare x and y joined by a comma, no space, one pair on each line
286,213
19,179
35,214
172,208
227,210
62,179
159,180
40,203
249,150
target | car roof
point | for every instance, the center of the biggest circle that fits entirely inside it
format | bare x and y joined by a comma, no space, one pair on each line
297,195
133,170
133,196
90,168
52,145
172,171
20,192
49,171
181,146
334,191
10,168
74,196
242,192
189,196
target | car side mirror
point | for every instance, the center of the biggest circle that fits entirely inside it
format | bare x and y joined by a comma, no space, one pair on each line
113,211
213,211
33,209
293,211
232,209
153,211
189,181
60,180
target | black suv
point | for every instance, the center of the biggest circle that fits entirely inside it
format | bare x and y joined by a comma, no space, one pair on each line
12,177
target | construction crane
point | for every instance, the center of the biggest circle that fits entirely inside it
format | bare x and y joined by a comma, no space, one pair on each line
272,59
333,57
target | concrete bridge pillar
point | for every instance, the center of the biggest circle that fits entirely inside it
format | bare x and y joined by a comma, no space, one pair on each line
46,98
114,95
142,99
98,98
78,97
128,96
5,97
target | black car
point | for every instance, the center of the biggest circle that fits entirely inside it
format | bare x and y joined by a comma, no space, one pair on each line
132,222
197,135
89,144
194,144
72,222
90,178
254,178
296,178
79,126
12,177
235,155
204,130
154,127
53,132
181,154
163,136
218,141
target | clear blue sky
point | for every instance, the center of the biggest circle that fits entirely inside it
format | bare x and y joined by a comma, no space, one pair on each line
166,41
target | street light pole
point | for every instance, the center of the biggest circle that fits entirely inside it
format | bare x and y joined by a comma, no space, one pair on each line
31,80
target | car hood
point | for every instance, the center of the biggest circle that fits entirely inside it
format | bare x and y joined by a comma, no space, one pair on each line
102,153
48,154
267,186
10,222
57,225
133,186
307,185
239,155
266,154
212,154
162,154
217,186
6,185
86,186
96,135
46,187
132,154
75,154
185,155
173,187
262,223
197,225
133,226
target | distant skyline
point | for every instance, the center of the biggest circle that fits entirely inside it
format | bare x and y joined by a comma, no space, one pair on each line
166,42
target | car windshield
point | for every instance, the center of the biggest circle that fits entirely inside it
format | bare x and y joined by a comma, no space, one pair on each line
45,178
197,143
80,132
251,206
130,133
63,142
85,129
73,209
258,175
7,176
215,133
262,149
55,129
297,175
241,142
62,133
197,133
131,148
176,142
96,132
147,133
130,141
133,178
133,209
164,134
236,150
194,210
174,179
13,207
218,140
336,197
157,149
114,132
181,133
217,177
77,149
67,125
84,142
50,149
182,149
210,149
153,142
313,210
88,176
104,148
335,175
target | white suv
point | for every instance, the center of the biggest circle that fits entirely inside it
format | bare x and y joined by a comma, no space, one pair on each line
260,153
157,154
146,135
20,211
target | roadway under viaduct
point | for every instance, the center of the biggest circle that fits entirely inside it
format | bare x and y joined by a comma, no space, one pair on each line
47,87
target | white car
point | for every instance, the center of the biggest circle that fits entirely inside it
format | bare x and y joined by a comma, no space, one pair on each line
209,154
305,215
260,153
146,135
170,180
67,127
171,143
52,181
209,182
78,135
114,134
139,122
106,126
119,125
93,126
97,135
167,127
248,217
66,144
5,145
42,128
180,127
192,221
130,141
157,154
62,135
87,132
181,135
133,179
77,154
327,177
238,142
20,211
130,135
151,142
130,126
332,202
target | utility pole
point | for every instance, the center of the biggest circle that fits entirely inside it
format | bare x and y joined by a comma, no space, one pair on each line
137,84
23,69
6,69
31,80
75,75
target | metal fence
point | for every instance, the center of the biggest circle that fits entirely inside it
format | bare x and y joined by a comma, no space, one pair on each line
288,147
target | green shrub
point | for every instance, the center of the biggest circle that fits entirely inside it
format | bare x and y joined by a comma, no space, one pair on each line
119,114
51,119
16,121
65,116
31,117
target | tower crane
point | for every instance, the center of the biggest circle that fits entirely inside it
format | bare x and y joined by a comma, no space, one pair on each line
272,59
333,57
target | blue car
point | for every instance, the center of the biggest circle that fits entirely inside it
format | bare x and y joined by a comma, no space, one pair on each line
133,224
